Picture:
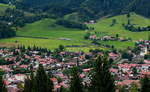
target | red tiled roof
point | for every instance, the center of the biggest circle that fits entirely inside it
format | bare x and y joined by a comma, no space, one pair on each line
128,82
82,75
23,66
147,61
86,70
113,70
53,79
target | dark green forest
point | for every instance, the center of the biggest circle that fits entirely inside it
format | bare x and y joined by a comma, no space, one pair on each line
86,8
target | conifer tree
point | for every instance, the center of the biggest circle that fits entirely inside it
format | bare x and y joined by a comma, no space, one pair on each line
30,83
27,85
38,83
76,81
62,89
149,37
44,84
33,82
4,88
145,84
102,80
2,85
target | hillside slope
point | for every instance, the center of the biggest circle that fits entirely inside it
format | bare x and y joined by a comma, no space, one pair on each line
45,33
47,28
87,9
103,26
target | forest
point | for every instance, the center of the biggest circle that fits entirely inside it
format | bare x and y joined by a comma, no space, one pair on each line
87,8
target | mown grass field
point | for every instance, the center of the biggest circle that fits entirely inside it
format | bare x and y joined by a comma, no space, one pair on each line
46,43
118,44
47,28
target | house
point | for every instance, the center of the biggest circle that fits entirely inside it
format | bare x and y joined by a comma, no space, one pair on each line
54,80
113,56
20,77
128,82
93,37
147,61
86,70
144,51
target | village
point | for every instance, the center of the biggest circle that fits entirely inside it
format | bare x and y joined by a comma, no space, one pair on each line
93,35
127,66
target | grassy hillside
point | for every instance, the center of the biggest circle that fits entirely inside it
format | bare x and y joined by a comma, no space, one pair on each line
49,34
45,33
47,28
103,26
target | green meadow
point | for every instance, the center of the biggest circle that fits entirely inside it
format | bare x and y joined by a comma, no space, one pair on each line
47,43
34,34
103,26
47,28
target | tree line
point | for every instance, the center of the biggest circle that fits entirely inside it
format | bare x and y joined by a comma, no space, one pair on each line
87,9
132,28
18,18
71,24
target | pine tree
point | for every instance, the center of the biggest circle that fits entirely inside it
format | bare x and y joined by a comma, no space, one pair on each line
149,37
76,82
128,15
145,82
102,80
4,89
27,85
2,85
62,89
38,83
30,83
44,84
129,20
33,82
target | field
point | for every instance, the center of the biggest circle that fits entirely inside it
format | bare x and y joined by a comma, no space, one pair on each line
103,26
46,43
119,45
47,28
45,33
